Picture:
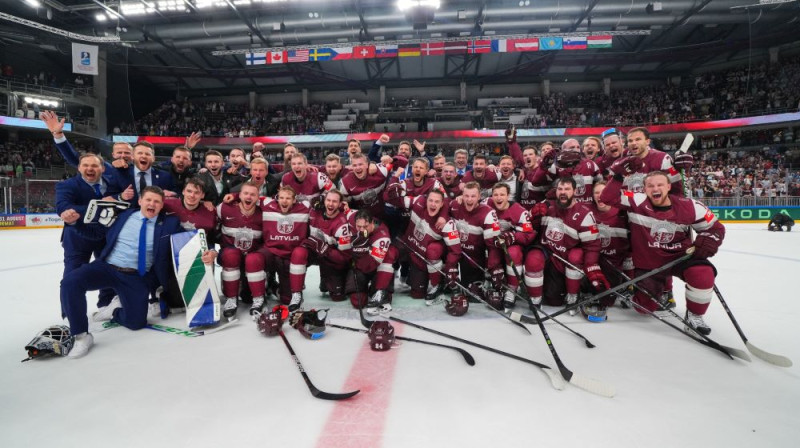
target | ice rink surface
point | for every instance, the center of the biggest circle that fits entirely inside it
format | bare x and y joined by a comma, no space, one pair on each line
237,388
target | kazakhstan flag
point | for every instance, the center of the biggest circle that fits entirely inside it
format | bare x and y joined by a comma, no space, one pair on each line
551,43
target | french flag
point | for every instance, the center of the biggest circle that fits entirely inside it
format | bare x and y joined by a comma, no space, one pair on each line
501,46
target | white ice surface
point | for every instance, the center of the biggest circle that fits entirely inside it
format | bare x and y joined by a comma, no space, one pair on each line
238,388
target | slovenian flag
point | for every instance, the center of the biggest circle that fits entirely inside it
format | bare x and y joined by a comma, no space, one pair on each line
550,43
255,59
599,41
574,43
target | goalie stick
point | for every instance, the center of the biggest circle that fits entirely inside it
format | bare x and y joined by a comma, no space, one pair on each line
531,320
705,340
463,288
585,383
174,330
778,360
314,391
467,357
555,380
516,294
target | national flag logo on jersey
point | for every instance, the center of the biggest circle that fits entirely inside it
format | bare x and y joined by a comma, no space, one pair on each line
364,52
255,59
574,43
453,235
480,46
496,226
297,55
432,48
593,229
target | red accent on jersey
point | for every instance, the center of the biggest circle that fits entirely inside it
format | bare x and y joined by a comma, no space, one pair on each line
377,252
709,216
496,226
453,235
527,227
593,229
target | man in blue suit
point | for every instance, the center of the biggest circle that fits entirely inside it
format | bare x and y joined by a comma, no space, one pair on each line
135,261
142,173
73,195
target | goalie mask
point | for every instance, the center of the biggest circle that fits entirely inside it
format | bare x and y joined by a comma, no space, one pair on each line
54,340
381,336
310,324
457,306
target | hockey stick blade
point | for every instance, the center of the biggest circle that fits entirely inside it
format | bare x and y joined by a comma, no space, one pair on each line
465,354
591,385
313,389
778,360
555,380
687,142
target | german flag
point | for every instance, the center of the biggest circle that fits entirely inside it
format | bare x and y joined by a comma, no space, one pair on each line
407,50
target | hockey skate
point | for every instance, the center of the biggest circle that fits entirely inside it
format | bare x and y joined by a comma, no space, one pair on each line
696,324
667,301
375,304
535,303
433,296
229,308
509,299
296,302
401,284
256,307
570,299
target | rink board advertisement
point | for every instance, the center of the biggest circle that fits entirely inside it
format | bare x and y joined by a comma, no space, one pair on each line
31,221
753,214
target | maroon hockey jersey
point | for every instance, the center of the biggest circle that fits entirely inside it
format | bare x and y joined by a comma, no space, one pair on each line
283,232
655,160
477,228
566,228
516,219
199,218
238,230
585,174
365,194
422,231
310,188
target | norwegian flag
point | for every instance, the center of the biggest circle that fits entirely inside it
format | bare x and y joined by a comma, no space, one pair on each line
276,57
432,48
480,46
297,55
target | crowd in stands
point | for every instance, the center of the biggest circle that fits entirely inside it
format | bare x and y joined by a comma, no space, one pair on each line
21,158
43,78
729,174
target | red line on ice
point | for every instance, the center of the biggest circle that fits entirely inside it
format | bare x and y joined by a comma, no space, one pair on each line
359,421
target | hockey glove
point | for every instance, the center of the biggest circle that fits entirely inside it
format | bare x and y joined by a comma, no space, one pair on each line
511,134
595,276
706,245
316,245
452,276
547,159
684,162
505,239
625,166
394,192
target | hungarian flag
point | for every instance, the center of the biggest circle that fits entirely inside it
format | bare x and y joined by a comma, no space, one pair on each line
479,46
432,48
455,47
364,52
276,57
598,41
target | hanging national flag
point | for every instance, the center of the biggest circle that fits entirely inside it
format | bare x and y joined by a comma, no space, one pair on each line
551,43
297,55
432,48
364,52
407,50
255,59
598,41
320,54
531,44
342,53
501,46
276,57
386,51
455,47
479,46
574,43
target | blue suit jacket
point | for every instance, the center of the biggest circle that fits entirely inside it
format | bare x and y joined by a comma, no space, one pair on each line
162,250
72,158
76,194
160,178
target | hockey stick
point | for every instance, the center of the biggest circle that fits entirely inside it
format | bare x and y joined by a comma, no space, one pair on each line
172,330
705,340
516,273
467,357
555,380
771,358
314,391
687,142
585,383
463,288
531,320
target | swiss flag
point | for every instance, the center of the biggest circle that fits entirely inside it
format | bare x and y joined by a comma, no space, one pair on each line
276,57
364,52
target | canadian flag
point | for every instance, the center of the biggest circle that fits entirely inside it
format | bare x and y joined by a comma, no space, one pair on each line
276,57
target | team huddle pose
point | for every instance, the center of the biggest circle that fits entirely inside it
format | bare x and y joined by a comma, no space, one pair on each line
551,227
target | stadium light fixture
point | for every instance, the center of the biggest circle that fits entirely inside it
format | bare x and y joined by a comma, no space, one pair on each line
34,3
405,5
100,17
41,101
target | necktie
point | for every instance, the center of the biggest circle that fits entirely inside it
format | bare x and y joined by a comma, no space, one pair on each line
143,248
97,191
142,182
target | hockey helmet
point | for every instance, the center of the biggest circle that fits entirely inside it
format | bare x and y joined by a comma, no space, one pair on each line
494,297
568,159
476,289
54,340
311,323
457,306
269,324
381,335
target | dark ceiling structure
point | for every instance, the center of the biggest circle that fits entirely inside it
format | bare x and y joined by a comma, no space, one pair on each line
171,42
